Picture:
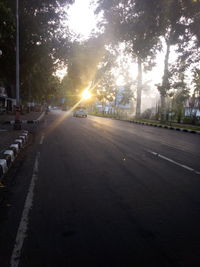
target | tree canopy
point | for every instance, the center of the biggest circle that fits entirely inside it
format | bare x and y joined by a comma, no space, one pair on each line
144,24
44,43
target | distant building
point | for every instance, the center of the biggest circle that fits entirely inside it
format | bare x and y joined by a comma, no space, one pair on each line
115,105
119,100
6,103
192,107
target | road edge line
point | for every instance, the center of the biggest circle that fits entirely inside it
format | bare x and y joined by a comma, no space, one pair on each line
23,226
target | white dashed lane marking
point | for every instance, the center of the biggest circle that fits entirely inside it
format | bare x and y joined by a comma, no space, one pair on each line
42,140
174,162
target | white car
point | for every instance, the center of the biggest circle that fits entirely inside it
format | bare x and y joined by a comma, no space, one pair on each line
80,113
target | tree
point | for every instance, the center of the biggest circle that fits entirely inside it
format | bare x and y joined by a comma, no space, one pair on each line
68,92
194,101
179,98
42,84
44,42
87,64
196,81
142,23
127,95
178,24
7,44
126,22
106,88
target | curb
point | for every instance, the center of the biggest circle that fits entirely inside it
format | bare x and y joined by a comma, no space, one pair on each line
10,154
155,125
27,121
166,127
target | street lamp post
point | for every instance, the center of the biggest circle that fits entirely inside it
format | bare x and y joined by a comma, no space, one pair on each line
17,124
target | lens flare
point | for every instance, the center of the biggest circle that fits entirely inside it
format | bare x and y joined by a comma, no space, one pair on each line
86,94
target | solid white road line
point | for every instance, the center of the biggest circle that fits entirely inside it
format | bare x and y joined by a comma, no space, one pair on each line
42,140
21,233
41,116
174,162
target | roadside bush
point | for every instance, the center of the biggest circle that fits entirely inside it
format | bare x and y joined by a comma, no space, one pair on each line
191,120
187,120
147,114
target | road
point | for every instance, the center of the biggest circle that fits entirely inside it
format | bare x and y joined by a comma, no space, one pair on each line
102,192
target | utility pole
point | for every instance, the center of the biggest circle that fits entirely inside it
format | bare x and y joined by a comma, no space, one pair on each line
17,124
29,92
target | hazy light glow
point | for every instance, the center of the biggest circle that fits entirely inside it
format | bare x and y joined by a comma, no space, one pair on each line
60,73
86,94
82,19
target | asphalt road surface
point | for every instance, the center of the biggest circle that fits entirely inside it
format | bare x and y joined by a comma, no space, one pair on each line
102,192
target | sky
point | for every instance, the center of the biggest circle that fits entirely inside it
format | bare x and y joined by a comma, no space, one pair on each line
81,21
81,18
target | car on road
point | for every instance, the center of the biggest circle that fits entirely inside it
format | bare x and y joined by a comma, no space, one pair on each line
80,113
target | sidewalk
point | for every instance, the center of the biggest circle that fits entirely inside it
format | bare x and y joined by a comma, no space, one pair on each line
7,134
28,116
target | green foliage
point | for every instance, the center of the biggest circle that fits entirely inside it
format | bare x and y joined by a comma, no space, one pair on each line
126,21
147,114
178,101
7,43
83,61
196,82
43,44
68,91
106,88
127,95
87,66
134,23
142,23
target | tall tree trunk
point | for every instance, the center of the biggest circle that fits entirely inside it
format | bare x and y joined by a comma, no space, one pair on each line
165,82
139,88
163,107
115,103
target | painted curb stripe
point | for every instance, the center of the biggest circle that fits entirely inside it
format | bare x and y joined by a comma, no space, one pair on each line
23,138
169,127
11,153
19,142
3,164
15,146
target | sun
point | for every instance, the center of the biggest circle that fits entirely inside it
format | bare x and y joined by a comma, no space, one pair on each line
86,95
